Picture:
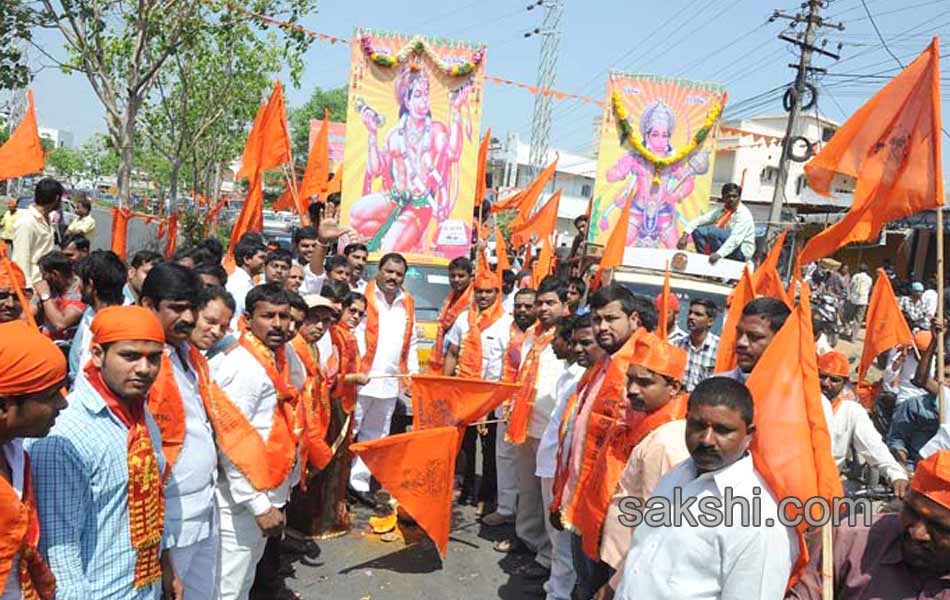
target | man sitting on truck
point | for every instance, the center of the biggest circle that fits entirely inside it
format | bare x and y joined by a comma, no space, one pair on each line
724,232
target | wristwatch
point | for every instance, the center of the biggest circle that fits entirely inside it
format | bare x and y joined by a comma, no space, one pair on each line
44,297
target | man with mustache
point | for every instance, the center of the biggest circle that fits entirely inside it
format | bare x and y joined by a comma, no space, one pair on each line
457,302
188,442
214,307
100,508
30,400
696,559
388,341
10,282
356,253
619,318
761,320
255,486
900,556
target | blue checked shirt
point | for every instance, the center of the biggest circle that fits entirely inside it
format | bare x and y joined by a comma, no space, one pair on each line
80,477
701,361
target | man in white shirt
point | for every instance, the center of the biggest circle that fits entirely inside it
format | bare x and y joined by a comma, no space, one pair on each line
141,263
388,339
84,224
34,234
851,427
858,296
255,378
725,232
929,298
249,257
191,520
691,559
356,253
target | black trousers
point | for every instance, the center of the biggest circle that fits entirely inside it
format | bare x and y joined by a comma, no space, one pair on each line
488,489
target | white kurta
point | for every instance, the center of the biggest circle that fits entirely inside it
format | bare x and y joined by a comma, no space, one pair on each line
392,327
494,341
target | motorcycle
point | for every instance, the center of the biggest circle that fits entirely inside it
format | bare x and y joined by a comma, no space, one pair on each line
827,310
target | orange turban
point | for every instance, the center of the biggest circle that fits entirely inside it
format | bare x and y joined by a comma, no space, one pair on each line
485,278
660,356
120,323
922,340
31,362
932,478
16,281
834,363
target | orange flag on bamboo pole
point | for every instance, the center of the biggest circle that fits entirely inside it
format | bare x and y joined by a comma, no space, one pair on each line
525,200
542,267
482,170
22,153
418,469
441,401
892,146
616,244
792,445
251,217
120,231
501,251
268,144
742,295
662,329
885,326
766,279
317,173
542,223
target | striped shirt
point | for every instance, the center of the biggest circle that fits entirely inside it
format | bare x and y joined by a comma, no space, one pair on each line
81,478
701,362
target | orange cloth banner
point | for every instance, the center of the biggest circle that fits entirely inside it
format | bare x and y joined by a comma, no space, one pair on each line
501,252
525,200
541,223
613,251
22,154
662,328
766,279
892,146
742,295
418,469
440,401
885,326
120,231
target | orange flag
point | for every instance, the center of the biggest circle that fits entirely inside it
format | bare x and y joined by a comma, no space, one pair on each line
318,165
885,327
251,217
501,251
482,169
766,279
252,148
286,201
662,331
120,231
892,146
792,446
22,154
172,240
418,469
440,401
542,223
525,200
616,244
268,144
542,267
742,295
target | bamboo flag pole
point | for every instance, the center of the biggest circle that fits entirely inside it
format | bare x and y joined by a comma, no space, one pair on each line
941,400
827,562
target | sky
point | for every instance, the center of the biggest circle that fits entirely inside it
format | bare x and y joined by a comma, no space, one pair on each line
725,41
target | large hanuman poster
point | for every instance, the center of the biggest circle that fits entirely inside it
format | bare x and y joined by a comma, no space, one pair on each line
412,137
657,144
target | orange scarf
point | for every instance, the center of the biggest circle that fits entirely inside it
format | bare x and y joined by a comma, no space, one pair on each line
470,352
523,400
723,219
314,407
451,309
20,533
601,482
513,353
307,353
344,360
146,498
372,329
562,467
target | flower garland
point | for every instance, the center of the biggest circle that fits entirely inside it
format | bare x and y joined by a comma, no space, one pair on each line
418,45
662,162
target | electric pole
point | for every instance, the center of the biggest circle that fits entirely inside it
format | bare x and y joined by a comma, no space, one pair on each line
550,29
798,90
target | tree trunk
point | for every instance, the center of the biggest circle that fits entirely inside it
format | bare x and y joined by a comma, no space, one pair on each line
173,187
124,139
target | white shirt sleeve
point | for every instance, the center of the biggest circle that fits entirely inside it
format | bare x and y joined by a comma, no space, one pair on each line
868,443
743,228
703,219
412,361
458,330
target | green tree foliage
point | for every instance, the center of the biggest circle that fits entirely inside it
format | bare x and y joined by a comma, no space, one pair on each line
14,30
299,120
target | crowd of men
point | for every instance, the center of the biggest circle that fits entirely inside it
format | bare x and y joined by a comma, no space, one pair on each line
209,414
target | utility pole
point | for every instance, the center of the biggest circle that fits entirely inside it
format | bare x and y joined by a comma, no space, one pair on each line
798,90
547,71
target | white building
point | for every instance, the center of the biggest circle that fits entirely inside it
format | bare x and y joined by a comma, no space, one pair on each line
60,138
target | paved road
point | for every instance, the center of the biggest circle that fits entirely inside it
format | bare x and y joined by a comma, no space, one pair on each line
141,236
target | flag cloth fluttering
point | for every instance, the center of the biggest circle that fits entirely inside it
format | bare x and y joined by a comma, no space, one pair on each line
22,153
616,244
501,252
766,279
525,200
742,295
481,171
892,146
418,470
441,401
662,323
541,223
885,326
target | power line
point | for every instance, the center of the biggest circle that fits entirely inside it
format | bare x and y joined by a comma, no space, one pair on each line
878,32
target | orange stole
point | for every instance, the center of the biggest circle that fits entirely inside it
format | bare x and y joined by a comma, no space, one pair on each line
344,361
601,483
307,353
723,219
523,400
571,410
470,351
314,407
451,309
20,533
372,329
512,356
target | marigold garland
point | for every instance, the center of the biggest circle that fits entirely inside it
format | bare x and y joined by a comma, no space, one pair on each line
418,45
662,162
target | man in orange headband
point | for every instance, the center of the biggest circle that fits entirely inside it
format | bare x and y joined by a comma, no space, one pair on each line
98,472
851,427
658,405
476,348
33,373
904,555
10,282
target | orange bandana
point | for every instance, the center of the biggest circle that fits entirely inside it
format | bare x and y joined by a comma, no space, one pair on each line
523,400
834,363
146,497
372,329
451,309
20,529
31,362
123,323
932,478
12,278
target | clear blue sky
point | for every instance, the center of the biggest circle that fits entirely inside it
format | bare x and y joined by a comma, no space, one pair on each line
726,41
